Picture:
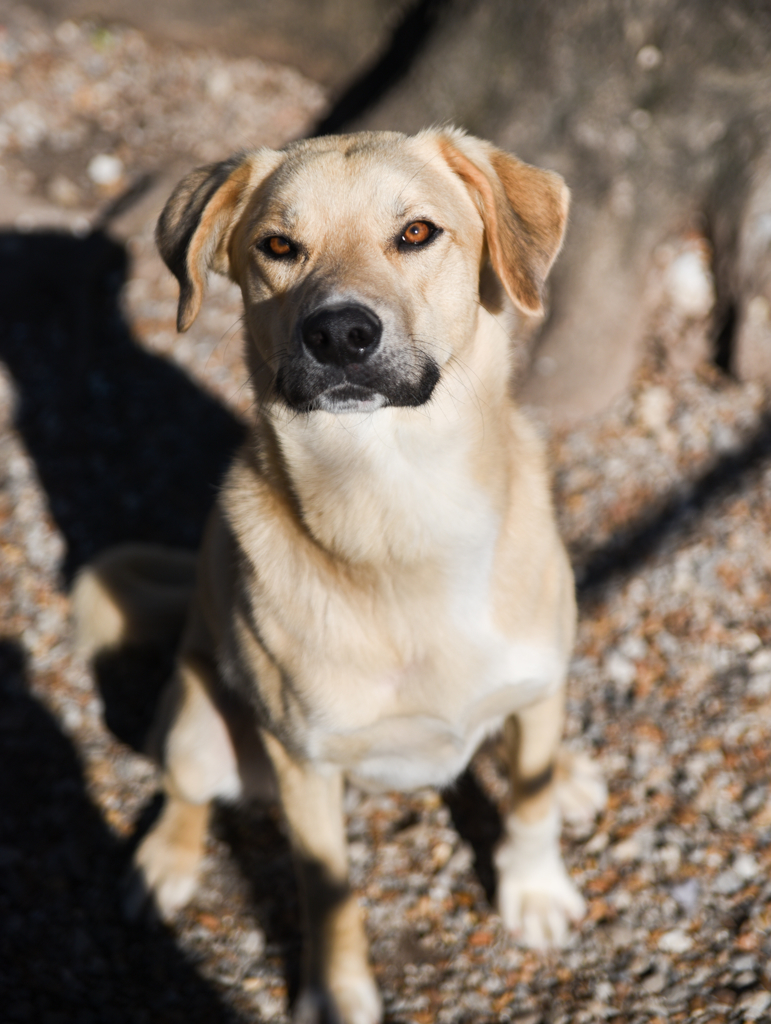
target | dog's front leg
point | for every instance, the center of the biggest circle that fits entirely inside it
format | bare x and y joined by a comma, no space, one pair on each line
536,897
338,985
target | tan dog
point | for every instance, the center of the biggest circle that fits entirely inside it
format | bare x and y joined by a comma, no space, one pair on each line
381,585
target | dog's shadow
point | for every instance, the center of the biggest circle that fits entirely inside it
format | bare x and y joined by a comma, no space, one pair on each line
67,952
477,820
126,446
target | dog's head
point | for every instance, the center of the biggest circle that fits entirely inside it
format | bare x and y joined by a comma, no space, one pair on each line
359,257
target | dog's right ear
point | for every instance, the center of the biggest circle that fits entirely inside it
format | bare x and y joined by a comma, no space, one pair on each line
524,210
196,224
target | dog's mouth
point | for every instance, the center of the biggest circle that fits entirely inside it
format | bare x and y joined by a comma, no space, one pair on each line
306,385
349,397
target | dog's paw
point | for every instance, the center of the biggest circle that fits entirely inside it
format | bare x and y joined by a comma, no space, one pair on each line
536,897
166,867
581,789
159,884
538,906
358,1000
355,1001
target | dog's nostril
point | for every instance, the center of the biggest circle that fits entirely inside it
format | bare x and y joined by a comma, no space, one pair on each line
317,340
341,335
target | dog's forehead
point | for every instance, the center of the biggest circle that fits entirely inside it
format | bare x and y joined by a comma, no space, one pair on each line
371,175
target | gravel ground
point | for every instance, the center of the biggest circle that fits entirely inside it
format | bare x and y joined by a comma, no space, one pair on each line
111,427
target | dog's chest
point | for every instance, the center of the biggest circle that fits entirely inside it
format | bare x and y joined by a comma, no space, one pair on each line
399,669
417,719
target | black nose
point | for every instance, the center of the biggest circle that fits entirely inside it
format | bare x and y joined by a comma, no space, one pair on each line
342,335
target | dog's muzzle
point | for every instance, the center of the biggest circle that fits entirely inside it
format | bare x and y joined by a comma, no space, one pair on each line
340,360
342,335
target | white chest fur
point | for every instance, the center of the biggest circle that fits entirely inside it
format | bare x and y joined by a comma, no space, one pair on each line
440,674
405,667
405,752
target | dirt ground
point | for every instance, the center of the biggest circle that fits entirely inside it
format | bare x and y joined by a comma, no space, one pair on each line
114,428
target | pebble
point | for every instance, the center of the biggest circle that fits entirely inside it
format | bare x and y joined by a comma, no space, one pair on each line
754,1004
746,867
620,670
687,894
675,941
649,57
105,169
654,407
690,285
252,943
63,191
728,882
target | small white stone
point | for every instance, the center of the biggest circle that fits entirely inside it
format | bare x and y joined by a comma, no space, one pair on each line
68,33
675,941
72,718
633,647
622,899
689,284
654,407
270,1007
744,963
219,84
105,169
746,866
686,894
627,850
441,854
655,983
620,670
761,661
727,883
760,686
604,991
28,121
358,852
63,192
597,843
649,57
253,943
669,857
746,642
755,1004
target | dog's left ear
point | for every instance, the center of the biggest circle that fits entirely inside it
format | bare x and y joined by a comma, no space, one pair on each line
198,220
524,210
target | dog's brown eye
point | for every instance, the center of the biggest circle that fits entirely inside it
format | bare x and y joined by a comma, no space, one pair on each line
418,233
278,247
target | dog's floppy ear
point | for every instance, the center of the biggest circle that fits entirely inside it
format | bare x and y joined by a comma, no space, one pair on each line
196,224
524,210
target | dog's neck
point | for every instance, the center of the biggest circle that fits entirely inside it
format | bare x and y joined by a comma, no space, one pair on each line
405,485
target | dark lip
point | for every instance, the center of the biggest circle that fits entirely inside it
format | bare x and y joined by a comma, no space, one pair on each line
350,390
302,386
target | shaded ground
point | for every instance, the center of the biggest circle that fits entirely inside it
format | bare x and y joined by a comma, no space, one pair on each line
111,427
